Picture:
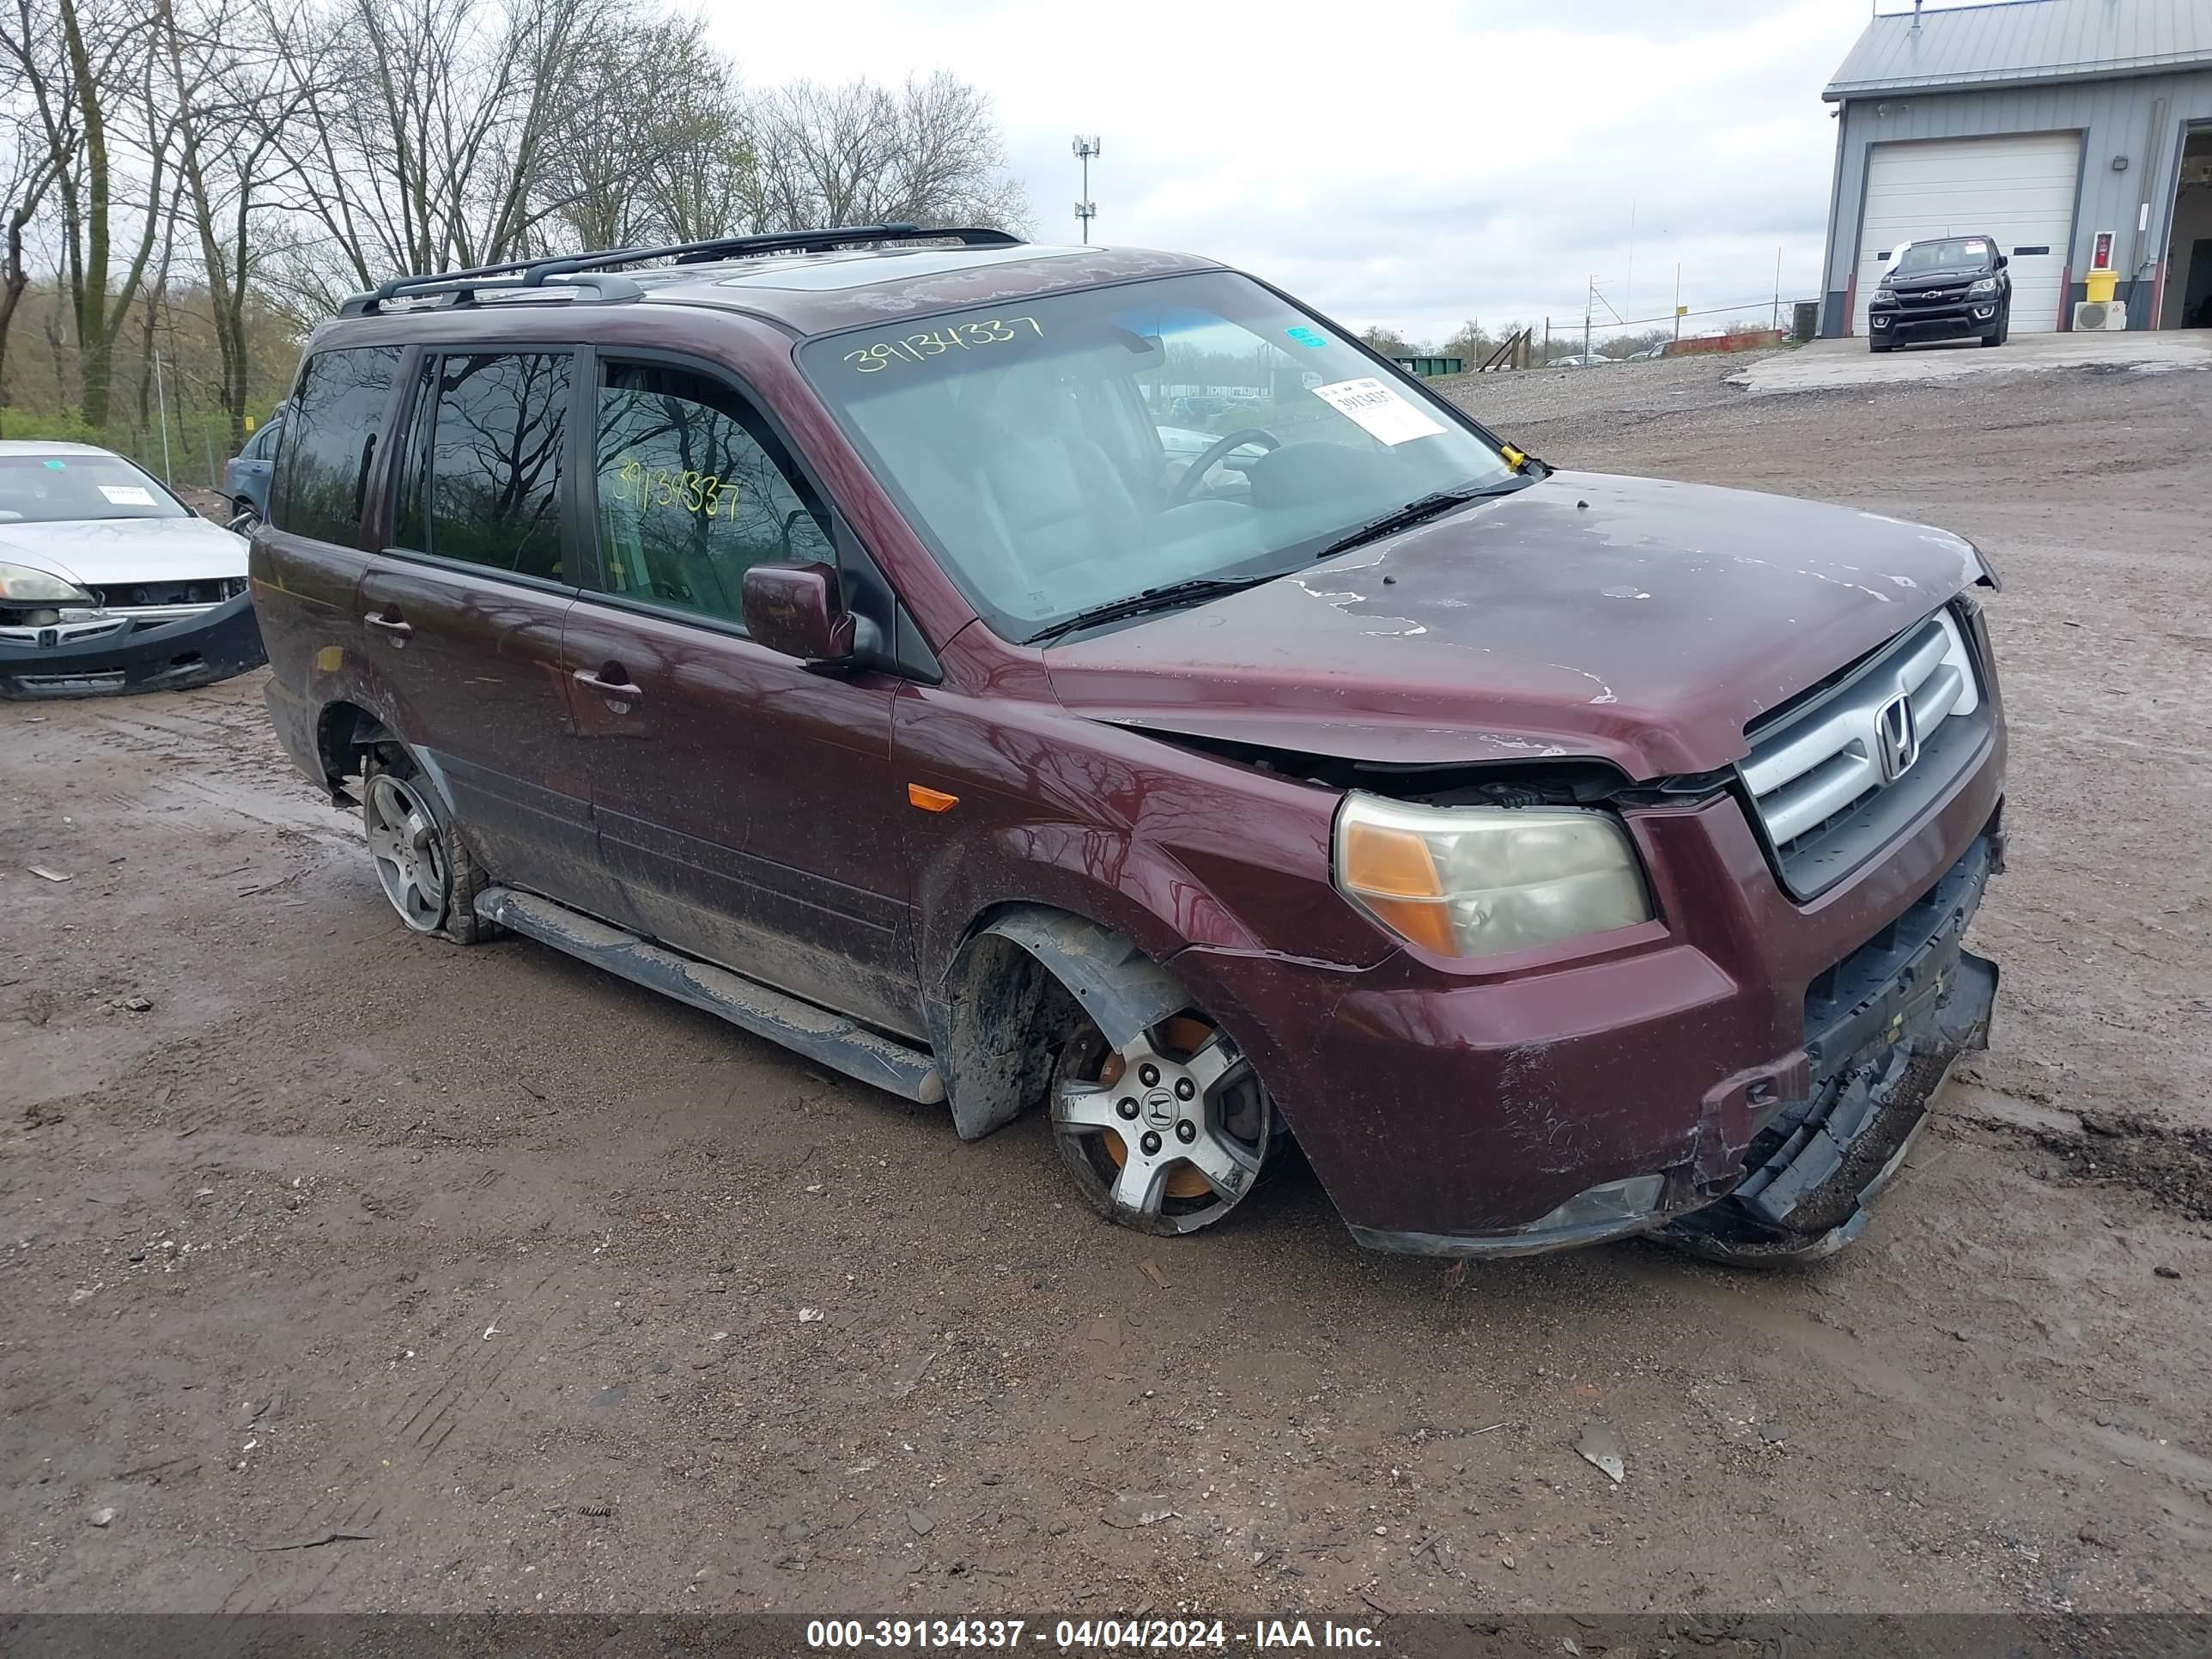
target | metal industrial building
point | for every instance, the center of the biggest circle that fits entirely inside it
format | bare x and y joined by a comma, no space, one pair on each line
2072,132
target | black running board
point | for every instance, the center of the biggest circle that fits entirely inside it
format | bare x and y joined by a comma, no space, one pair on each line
828,1039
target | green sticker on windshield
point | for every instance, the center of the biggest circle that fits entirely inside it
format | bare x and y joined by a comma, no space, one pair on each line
1307,337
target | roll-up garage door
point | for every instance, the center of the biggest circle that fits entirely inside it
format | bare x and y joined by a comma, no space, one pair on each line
2018,190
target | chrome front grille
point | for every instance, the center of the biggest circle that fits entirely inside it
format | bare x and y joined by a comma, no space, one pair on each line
1833,780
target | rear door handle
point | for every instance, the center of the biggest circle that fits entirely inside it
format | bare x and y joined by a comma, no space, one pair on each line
397,627
610,680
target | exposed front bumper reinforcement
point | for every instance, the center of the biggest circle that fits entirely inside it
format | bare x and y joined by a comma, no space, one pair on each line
1882,1035
211,645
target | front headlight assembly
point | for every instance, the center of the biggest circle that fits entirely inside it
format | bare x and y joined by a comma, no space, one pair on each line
1986,285
1479,881
22,585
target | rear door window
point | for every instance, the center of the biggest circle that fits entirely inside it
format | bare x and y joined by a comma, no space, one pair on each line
336,420
482,484
694,489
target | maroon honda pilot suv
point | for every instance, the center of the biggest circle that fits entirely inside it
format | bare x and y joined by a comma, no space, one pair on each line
1087,679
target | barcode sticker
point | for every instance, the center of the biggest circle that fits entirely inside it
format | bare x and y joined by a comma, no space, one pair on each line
1386,417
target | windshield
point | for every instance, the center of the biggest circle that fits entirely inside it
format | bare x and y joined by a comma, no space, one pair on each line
51,488
1950,254
1047,446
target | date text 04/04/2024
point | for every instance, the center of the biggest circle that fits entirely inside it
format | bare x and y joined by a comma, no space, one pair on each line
1083,1635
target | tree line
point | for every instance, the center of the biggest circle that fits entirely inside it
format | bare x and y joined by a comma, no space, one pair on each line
207,179
1471,343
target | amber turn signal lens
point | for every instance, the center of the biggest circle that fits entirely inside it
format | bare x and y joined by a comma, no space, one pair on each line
1396,875
1384,863
931,800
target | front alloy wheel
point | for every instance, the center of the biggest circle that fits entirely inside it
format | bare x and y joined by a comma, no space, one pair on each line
1166,1134
409,849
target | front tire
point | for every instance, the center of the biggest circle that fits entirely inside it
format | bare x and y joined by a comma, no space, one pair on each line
420,860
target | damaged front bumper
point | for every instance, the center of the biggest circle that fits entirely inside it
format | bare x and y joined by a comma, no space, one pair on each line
1883,1028
209,644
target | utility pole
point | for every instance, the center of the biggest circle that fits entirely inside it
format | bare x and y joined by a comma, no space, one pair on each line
1678,300
1086,209
1628,289
1777,288
162,408
1590,300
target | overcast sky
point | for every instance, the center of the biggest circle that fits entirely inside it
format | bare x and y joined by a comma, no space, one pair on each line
1412,162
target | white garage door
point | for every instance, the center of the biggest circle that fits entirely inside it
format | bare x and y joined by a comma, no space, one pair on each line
2018,190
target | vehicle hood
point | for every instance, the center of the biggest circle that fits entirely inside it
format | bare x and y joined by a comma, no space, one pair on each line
1633,620
1943,278
104,552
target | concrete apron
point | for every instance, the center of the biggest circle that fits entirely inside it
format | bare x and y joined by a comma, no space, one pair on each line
1821,364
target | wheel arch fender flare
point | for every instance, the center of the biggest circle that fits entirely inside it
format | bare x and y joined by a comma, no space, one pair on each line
992,1020
373,732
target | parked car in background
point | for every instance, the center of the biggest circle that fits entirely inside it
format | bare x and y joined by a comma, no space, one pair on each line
1580,360
245,474
816,629
1649,354
109,582
1942,289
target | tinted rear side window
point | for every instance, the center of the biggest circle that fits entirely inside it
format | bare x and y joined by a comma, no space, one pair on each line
484,483
333,430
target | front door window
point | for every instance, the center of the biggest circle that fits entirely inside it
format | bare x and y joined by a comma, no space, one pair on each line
693,491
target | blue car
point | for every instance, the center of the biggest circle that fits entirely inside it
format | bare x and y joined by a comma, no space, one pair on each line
245,474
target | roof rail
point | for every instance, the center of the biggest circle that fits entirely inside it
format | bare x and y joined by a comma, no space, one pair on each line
572,271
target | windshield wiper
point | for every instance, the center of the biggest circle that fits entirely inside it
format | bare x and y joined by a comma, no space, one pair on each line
1421,510
1153,598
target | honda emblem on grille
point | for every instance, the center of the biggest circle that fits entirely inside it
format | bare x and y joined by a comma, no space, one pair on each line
1897,738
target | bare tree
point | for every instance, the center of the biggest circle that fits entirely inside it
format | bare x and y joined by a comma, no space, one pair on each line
427,130
231,93
1387,340
928,153
88,74
673,164
260,158
28,175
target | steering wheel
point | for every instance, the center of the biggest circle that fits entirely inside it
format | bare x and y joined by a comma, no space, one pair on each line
1216,452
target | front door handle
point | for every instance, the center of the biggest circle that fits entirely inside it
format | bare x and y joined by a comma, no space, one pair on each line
397,627
610,680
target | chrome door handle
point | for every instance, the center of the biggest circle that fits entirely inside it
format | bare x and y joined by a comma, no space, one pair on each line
394,626
609,682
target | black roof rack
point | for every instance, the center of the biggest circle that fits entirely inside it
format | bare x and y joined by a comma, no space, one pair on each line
579,273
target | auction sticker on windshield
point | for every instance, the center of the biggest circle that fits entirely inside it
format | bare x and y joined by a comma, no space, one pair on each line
127,494
1386,417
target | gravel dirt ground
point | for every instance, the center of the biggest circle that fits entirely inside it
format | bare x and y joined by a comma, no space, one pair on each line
345,1269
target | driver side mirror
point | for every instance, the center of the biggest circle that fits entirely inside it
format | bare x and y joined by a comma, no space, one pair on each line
2002,262
794,611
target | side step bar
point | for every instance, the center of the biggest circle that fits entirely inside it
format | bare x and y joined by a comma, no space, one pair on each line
828,1039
